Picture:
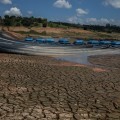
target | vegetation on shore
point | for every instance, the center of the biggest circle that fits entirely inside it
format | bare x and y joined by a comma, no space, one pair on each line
42,27
42,22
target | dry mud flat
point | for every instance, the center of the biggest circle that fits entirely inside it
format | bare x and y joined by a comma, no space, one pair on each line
42,88
112,61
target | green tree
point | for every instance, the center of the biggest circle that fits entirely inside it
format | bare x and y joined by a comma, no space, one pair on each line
7,21
26,22
44,22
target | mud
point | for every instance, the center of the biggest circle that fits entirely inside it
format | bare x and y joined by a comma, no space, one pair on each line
42,88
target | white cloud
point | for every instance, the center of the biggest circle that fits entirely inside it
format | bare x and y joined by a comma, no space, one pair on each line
92,20
6,1
95,21
81,12
62,4
77,18
73,19
104,21
113,3
13,11
30,12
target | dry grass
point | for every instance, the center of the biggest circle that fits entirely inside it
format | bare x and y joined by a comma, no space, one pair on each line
22,32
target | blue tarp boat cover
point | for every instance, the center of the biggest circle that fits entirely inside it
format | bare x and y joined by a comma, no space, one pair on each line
79,42
115,43
40,40
49,40
29,39
105,42
93,42
64,41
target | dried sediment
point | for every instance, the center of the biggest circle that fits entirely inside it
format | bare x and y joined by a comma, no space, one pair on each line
38,88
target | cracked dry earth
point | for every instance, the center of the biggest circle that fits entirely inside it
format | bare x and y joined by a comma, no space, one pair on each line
42,88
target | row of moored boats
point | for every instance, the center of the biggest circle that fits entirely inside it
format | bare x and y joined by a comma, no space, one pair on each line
78,42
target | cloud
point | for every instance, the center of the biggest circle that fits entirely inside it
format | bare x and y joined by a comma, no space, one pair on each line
92,21
73,19
30,12
62,4
113,3
101,21
6,1
77,18
104,21
80,12
13,11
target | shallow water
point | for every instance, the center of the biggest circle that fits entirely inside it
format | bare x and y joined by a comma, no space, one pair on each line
82,57
67,53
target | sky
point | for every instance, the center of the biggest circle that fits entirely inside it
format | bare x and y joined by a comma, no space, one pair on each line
74,11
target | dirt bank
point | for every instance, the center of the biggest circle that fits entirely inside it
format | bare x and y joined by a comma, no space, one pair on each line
22,32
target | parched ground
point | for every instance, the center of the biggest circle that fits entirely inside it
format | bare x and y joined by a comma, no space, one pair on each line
112,61
42,88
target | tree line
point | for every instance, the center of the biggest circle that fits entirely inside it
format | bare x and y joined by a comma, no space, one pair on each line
43,22
23,21
108,28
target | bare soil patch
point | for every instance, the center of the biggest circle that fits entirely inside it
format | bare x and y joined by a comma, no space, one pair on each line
112,61
72,33
43,88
